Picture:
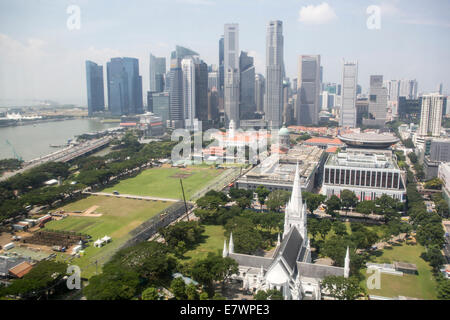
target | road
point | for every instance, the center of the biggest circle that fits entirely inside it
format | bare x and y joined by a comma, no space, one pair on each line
62,155
129,196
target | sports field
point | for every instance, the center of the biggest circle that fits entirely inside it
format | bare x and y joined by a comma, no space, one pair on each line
165,182
213,242
421,286
118,217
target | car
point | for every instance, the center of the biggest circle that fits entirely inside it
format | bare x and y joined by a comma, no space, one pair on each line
116,192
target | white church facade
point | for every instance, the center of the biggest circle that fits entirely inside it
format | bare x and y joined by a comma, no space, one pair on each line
290,269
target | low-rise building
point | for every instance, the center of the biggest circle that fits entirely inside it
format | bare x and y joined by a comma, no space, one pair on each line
369,173
277,171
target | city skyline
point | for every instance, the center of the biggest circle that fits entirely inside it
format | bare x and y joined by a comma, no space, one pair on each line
27,50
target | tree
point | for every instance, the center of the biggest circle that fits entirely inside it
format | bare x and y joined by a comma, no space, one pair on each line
247,239
413,157
149,259
333,204
213,268
434,256
365,207
34,284
178,288
182,235
324,227
114,284
342,288
339,228
348,199
151,293
277,199
262,193
191,292
444,289
435,183
271,294
313,200
204,296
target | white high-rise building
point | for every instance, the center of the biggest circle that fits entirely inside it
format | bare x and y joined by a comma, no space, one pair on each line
274,74
188,68
401,88
431,115
348,94
231,73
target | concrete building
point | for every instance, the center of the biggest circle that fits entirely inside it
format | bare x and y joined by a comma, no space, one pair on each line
439,152
274,74
377,103
431,114
348,102
409,109
369,173
160,102
308,90
277,171
444,175
231,73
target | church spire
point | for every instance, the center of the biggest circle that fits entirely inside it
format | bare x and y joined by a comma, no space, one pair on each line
231,245
296,201
347,264
225,250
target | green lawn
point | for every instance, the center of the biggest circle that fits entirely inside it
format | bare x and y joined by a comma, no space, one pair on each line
214,237
119,217
421,286
165,182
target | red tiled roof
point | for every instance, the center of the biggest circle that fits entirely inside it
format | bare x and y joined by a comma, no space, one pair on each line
324,141
21,269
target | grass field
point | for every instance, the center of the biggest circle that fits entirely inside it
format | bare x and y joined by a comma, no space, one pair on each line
165,182
213,243
119,217
421,286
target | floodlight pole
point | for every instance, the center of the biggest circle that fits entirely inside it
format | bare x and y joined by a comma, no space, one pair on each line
184,199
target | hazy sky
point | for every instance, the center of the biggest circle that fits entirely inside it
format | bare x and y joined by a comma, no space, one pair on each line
40,58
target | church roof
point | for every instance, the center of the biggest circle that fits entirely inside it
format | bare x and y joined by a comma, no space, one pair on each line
321,271
290,247
251,261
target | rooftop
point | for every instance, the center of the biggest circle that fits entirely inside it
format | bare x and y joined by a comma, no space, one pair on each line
363,159
372,140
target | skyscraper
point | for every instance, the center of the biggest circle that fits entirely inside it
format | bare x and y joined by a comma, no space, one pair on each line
377,102
176,111
274,74
348,101
95,89
308,89
221,64
124,86
431,114
260,86
247,106
189,106
175,82
157,71
201,90
231,73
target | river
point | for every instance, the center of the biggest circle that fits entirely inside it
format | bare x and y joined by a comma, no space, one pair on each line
33,140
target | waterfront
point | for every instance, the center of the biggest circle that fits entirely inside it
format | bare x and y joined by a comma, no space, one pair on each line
34,140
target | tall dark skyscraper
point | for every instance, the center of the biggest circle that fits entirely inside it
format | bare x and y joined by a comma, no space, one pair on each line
247,106
124,86
157,73
308,89
95,89
201,90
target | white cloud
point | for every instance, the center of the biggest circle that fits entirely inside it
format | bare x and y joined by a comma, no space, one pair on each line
314,15
197,2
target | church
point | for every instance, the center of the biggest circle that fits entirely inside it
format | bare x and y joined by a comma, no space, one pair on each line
290,269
